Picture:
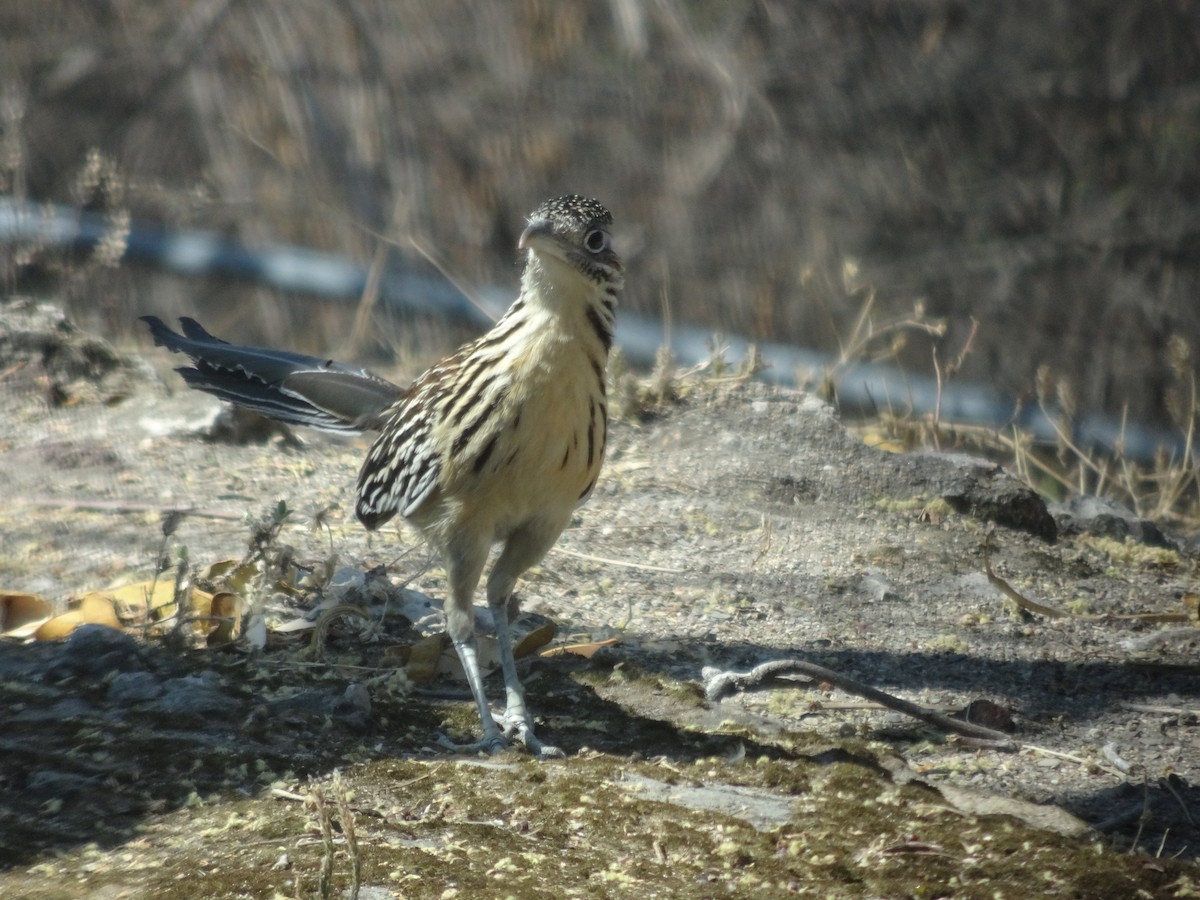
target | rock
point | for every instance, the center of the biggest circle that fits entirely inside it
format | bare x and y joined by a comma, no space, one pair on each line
134,687
985,491
60,785
1103,517
195,695
94,651
77,366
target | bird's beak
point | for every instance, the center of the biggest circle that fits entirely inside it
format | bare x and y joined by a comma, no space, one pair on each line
533,231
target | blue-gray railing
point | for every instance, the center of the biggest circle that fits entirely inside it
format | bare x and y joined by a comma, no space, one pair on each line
860,386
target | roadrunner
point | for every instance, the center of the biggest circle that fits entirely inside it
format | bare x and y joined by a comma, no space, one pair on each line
497,443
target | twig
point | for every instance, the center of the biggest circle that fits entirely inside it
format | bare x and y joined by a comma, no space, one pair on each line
945,373
624,563
1072,757
718,684
1011,593
1123,817
126,506
1164,710
1166,784
281,794
324,821
346,814
366,304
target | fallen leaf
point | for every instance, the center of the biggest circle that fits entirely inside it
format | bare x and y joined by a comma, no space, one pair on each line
145,601
226,607
22,614
535,640
587,651
233,574
90,609
424,657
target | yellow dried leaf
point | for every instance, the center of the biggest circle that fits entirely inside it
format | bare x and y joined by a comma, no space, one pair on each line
200,603
535,640
233,574
587,650
144,601
424,656
21,614
90,609
227,608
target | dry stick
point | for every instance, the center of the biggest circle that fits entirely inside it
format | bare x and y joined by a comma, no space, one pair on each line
1123,817
1075,758
1165,710
324,820
722,683
347,817
1166,784
366,304
127,506
944,374
623,563
1010,592
1151,618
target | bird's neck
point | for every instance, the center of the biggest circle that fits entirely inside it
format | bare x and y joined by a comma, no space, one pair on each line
557,296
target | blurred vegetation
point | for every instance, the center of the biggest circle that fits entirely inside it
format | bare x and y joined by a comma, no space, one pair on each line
1029,165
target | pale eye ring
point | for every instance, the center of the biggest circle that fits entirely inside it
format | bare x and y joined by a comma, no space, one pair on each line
596,241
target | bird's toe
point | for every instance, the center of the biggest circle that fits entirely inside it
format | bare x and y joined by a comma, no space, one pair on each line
487,744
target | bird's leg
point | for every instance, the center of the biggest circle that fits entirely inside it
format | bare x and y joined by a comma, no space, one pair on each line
464,566
522,550
492,740
517,721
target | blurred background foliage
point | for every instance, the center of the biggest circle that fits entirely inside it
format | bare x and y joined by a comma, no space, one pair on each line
1032,165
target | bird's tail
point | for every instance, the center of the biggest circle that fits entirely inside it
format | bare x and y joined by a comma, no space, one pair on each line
288,387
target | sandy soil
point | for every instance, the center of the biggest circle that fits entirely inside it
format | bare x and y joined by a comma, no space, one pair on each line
736,526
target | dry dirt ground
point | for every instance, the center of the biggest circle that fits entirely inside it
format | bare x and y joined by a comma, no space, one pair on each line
736,526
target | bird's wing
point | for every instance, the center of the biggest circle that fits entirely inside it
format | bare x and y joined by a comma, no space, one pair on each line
289,387
402,467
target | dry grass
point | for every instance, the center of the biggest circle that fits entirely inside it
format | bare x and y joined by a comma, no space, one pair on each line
1166,489
747,149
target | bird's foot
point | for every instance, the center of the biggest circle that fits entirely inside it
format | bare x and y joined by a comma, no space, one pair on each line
516,729
537,748
517,726
499,743
489,744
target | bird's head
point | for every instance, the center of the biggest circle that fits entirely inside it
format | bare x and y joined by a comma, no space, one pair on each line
573,232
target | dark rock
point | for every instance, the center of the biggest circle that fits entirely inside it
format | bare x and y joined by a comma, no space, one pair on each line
60,785
984,490
134,687
196,695
1103,517
65,710
93,651
352,708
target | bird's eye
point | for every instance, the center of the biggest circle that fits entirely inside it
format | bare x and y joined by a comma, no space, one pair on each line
596,241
